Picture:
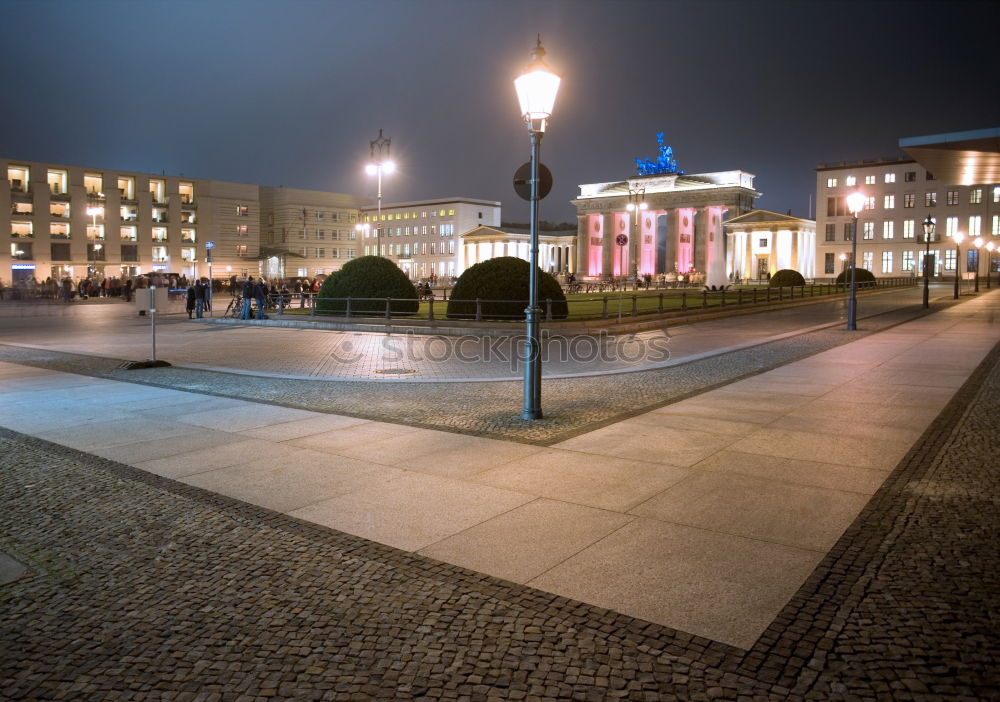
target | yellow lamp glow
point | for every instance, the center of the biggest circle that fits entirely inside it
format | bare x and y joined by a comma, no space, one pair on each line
536,90
959,237
856,202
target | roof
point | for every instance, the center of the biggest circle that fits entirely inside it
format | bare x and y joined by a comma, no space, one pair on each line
768,217
651,185
483,231
434,201
959,158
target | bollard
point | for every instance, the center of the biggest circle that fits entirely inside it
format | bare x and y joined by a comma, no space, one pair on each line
430,309
659,306
755,296
704,299
604,310
388,308
684,301
635,307
312,307
781,294
739,297
479,310
767,298
723,304
281,305
348,307
548,310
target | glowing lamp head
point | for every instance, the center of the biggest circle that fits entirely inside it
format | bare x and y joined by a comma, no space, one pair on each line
536,90
959,237
990,246
978,242
929,227
389,167
843,257
630,206
856,203
371,169
643,206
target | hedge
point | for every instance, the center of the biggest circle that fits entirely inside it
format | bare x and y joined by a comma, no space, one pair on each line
787,278
367,277
502,283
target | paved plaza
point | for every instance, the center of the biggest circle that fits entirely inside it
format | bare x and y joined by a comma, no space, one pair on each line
795,513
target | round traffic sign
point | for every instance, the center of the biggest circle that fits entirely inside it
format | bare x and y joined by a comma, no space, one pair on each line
522,181
621,239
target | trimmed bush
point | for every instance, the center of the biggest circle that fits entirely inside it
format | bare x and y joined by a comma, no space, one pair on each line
787,278
499,279
368,276
863,275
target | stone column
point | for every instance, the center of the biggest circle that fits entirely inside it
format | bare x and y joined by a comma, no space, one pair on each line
716,268
670,232
772,259
794,263
699,240
581,242
608,238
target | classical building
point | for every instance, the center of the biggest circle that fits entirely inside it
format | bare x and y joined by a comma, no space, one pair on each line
556,250
959,193
761,242
425,236
680,228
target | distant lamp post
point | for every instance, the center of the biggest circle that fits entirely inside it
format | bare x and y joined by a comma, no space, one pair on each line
959,237
855,203
843,262
536,93
989,262
929,227
380,163
636,205
978,243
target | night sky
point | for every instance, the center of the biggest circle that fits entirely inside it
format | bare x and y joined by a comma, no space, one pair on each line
290,93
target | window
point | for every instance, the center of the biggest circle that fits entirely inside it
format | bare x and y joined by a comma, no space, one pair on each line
320,234
870,203
23,208
160,254
890,177
57,182
909,200
188,236
996,225
451,246
188,254
907,261
910,177
996,193
406,250
158,189
828,263
972,260
831,231
831,182
130,253
21,250
242,211
976,196
930,199
930,176
241,249
93,183
96,252
451,212
128,234
126,187
320,253
868,230
907,228
867,260
952,197
128,213
160,214
869,180
188,217
887,230
350,253
975,226
61,252
848,231
887,261
59,230
889,202
441,213
18,177
95,232
951,226
949,260
159,233
242,230
850,181
433,248
59,209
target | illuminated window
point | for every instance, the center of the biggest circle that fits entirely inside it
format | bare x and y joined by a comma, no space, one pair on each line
433,248
441,213
975,196
951,226
831,182
158,189
451,212
188,254
867,260
848,234
909,199
952,197
907,261
423,214
996,225
930,199
24,208
975,226
451,246
126,187
57,182
93,183
908,229
18,177
160,214
890,177
242,230
159,233
869,180
21,250
160,254
870,203
949,260
241,249
996,193
95,232
59,230
850,181
59,209
242,211
188,236
887,261
910,177
889,202
128,234
868,230
887,230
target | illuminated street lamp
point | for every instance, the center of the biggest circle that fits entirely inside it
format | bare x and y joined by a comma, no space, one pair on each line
636,204
978,243
959,237
989,262
380,163
929,227
536,93
855,203
843,262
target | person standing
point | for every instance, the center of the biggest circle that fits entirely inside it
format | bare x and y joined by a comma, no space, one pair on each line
248,291
260,294
190,300
199,299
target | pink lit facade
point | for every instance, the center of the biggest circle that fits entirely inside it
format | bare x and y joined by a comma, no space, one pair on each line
681,229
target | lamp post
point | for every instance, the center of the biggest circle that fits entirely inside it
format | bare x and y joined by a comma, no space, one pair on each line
929,227
843,262
958,237
989,262
380,163
978,243
95,208
855,203
536,93
636,204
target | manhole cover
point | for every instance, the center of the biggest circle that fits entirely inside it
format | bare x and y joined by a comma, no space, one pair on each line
395,371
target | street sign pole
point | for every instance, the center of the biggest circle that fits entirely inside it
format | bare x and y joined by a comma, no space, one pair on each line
209,245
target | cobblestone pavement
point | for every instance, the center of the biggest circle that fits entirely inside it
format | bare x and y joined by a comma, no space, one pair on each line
571,405
141,588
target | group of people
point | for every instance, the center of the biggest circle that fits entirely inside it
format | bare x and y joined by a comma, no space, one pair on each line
199,298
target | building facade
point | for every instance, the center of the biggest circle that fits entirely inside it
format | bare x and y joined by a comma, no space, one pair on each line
424,237
556,250
761,242
680,230
900,195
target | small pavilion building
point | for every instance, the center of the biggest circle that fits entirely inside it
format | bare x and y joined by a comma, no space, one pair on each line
556,249
762,242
